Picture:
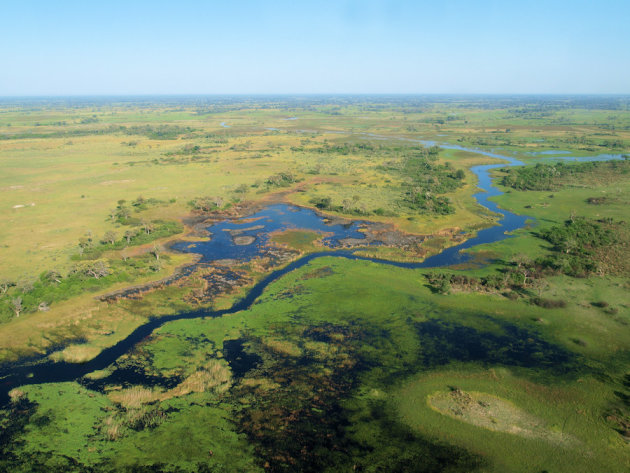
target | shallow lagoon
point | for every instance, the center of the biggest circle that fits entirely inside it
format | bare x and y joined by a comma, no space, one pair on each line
260,226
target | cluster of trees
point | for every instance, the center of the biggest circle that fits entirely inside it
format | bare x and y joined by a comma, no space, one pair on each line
145,231
282,179
189,153
123,213
185,151
591,144
207,204
426,180
576,249
17,297
139,230
443,282
547,177
520,277
51,286
578,245
91,272
344,149
349,206
162,132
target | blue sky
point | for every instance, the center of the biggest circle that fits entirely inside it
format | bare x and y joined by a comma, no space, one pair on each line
343,46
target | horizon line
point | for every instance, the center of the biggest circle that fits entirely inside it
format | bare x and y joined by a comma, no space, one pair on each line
320,94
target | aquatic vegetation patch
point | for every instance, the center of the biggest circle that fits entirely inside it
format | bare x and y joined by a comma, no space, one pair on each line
443,342
239,359
301,413
215,377
299,239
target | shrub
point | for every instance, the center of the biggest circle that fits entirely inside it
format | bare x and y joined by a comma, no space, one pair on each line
549,303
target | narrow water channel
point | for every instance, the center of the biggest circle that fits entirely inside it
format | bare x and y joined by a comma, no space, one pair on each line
269,219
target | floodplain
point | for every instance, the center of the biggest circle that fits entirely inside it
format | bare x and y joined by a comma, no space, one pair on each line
239,284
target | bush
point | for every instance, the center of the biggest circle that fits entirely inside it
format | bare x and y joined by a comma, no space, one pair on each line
549,303
323,203
283,179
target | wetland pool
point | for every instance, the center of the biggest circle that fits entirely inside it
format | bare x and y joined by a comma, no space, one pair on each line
247,237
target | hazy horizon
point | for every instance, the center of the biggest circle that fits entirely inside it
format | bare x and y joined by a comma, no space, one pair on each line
322,94
250,48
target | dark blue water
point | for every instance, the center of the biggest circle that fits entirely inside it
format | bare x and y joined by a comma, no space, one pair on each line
274,218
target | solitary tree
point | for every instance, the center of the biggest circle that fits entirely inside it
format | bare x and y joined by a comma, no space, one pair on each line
86,241
25,285
523,268
156,252
129,234
218,201
5,284
94,269
110,237
52,276
148,226
16,304
124,213
539,284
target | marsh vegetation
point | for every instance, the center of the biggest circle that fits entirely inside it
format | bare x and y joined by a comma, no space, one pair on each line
515,361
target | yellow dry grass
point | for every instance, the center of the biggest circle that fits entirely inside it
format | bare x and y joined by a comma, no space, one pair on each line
215,376
99,324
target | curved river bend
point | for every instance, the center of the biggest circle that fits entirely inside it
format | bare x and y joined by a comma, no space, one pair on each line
50,372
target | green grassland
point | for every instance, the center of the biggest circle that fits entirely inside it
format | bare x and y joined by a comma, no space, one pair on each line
358,341
339,365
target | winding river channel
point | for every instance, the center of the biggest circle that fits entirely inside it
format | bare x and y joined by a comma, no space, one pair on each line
51,372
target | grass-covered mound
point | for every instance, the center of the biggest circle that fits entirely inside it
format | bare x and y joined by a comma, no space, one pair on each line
492,413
